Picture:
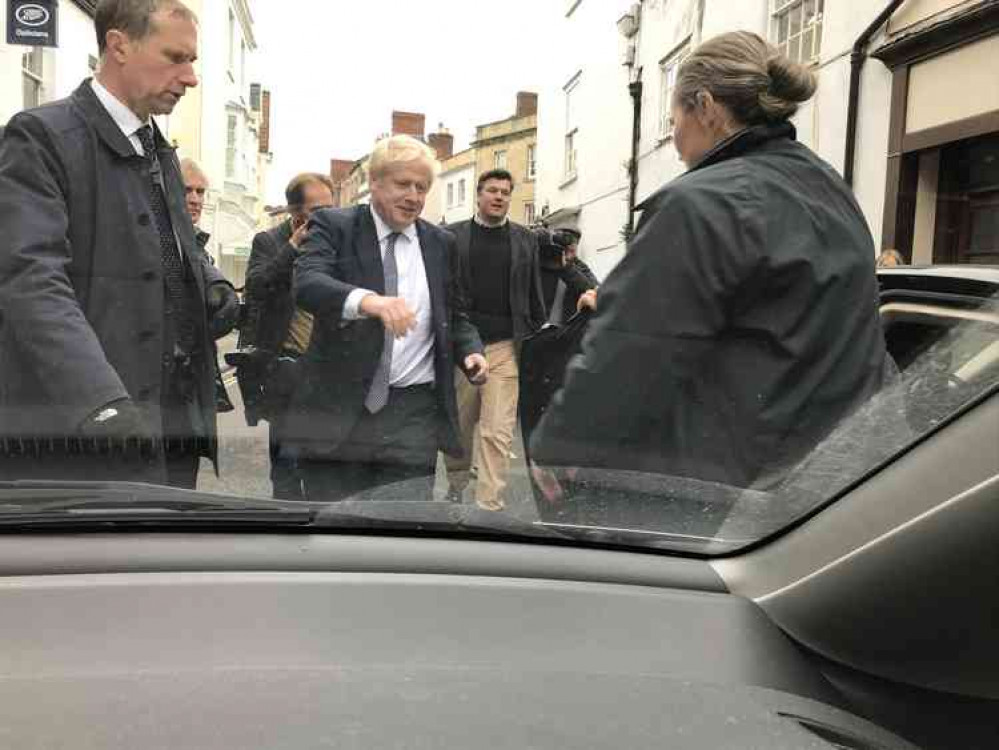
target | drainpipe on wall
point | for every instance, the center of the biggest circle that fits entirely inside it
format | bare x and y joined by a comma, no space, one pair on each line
635,89
630,27
857,59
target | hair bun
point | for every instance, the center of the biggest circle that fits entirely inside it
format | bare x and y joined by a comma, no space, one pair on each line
790,84
789,80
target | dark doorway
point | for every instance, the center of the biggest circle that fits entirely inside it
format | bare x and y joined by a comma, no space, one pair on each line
968,203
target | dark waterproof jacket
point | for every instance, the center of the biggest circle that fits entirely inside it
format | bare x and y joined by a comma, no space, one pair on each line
81,280
340,254
526,304
739,329
269,296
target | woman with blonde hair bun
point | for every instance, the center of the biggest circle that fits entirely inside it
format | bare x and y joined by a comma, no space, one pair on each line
741,326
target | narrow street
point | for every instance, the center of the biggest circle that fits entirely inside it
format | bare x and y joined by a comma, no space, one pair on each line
243,460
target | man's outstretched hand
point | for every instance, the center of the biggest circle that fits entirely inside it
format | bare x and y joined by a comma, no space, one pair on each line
394,313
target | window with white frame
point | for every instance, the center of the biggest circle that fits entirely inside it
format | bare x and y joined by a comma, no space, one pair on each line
796,28
571,128
461,192
668,69
532,166
231,147
499,160
528,214
32,71
450,194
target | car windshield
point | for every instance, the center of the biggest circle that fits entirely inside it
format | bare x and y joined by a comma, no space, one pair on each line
663,275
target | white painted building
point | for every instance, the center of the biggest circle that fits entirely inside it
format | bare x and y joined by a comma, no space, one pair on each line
218,124
457,181
670,29
584,131
30,76
908,144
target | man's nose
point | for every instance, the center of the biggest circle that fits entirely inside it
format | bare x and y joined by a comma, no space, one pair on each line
189,78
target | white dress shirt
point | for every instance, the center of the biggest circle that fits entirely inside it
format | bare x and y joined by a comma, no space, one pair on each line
126,120
412,355
128,123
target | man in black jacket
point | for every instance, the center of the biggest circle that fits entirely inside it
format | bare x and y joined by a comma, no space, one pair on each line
377,398
282,331
500,262
105,296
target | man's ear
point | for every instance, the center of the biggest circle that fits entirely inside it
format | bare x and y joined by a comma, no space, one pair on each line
118,46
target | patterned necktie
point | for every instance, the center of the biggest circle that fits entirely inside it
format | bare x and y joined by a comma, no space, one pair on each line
378,394
173,268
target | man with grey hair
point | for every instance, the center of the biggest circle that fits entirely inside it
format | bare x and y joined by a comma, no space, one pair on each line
377,396
195,190
108,306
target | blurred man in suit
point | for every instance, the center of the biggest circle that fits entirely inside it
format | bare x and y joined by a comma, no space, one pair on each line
377,398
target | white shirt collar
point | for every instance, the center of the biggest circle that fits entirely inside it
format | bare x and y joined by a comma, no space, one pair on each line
481,223
124,118
384,230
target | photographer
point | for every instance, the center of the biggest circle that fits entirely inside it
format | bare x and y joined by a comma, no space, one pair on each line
282,331
566,282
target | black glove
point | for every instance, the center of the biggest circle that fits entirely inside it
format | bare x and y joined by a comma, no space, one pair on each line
223,308
119,418
117,426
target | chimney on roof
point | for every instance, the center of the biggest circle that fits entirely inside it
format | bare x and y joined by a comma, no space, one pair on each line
340,169
527,103
408,123
442,142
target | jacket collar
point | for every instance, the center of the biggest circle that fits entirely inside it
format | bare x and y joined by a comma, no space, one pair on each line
126,120
745,141
478,220
105,125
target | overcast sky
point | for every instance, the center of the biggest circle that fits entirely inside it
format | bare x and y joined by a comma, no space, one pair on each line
337,69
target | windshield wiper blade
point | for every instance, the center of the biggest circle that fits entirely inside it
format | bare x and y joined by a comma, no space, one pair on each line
428,516
32,502
71,503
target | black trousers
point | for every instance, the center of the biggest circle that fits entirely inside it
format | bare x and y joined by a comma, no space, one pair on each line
286,480
393,452
282,383
184,439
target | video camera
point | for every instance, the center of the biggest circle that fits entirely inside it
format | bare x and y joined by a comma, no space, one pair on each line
552,245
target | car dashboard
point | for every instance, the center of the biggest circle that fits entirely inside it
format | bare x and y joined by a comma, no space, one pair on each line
237,641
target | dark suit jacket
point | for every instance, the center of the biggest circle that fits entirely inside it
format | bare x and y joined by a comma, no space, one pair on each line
269,295
341,254
81,278
526,301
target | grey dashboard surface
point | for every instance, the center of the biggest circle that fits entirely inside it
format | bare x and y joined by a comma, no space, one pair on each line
376,660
